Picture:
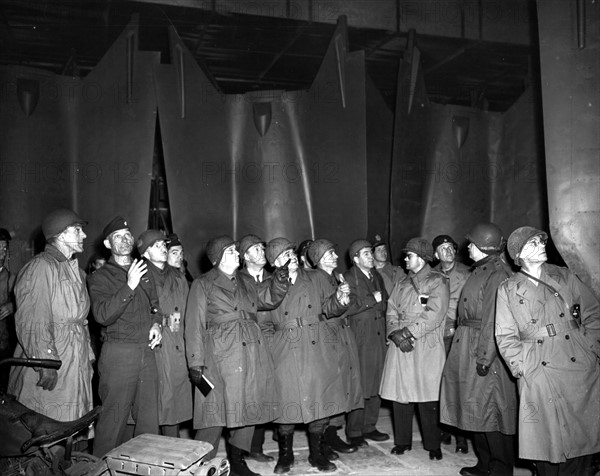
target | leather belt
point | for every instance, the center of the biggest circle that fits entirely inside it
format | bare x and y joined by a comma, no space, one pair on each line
300,322
550,330
469,323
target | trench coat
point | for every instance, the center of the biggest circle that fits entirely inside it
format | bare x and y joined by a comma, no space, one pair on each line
52,307
415,376
468,401
559,376
309,373
221,333
367,321
457,277
175,388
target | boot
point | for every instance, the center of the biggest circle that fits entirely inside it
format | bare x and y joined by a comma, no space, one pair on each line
336,443
46,430
317,458
285,461
238,463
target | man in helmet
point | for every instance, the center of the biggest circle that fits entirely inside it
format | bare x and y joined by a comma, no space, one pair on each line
308,366
7,307
252,253
225,345
548,332
444,250
383,265
415,356
366,316
125,304
52,307
478,393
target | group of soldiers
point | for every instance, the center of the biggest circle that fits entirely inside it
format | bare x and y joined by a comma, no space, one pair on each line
305,344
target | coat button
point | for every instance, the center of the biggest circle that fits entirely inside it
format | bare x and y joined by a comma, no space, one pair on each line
562,314
235,308
309,306
573,359
567,337
540,341
533,321
465,299
313,342
521,301
243,343
285,313
544,363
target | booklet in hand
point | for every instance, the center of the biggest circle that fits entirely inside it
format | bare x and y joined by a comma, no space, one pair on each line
205,386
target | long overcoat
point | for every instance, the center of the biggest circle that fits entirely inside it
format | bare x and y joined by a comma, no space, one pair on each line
469,401
175,388
558,376
52,307
306,351
221,333
415,376
367,321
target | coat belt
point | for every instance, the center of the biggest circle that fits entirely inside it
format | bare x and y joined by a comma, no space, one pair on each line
299,322
469,323
230,317
550,330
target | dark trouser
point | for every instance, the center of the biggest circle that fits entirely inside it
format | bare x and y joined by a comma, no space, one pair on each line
495,453
170,430
240,437
258,439
363,420
459,434
128,385
317,426
580,466
429,417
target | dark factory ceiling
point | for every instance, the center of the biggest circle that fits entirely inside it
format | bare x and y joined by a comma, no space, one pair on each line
245,53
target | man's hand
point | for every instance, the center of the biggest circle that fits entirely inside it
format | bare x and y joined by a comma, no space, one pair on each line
282,274
377,296
403,339
482,370
135,273
155,335
195,374
343,293
48,379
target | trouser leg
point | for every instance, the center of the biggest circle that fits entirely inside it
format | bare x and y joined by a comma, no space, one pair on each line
318,426
210,435
502,453
145,410
258,439
482,450
170,430
241,437
119,369
355,423
429,415
581,465
372,406
403,418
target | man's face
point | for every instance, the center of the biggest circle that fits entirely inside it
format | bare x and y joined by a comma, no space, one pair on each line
3,251
73,237
446,253
413,262
175,256
287,255
256,255
329,260
157,253
474,252
534,251
380,253
98,263
121,242
364,259
231,257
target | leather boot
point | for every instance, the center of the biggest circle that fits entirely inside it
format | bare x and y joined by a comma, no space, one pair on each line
238,463
46,430
285,461
317,458
336,443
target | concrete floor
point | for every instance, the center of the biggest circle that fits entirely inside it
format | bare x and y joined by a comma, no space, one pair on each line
376,460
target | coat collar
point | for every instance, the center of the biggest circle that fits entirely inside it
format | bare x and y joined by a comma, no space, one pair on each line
55,253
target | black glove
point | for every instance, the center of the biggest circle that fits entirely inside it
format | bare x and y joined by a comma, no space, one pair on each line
396,338
196,373
482,370
403,339
282,274
48,379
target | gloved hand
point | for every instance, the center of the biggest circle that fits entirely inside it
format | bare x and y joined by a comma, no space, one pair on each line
407,340
196,373
396,338
48,379
482,370
282,274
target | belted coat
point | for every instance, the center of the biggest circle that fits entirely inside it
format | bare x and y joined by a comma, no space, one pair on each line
469,401
367,321
415,376
556,361
52,307
309,372
221,333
